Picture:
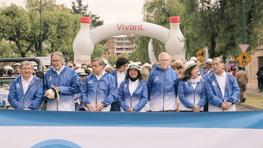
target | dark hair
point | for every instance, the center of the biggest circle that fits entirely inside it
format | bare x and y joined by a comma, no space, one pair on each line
139,74
9,72
87,71
121,61
2,72
187,73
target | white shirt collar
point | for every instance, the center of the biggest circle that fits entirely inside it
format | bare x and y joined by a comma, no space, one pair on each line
133,86
59,71
29,80
222,75
99,76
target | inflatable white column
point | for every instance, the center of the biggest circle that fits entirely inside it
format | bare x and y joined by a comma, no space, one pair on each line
151,52
82,45
175,43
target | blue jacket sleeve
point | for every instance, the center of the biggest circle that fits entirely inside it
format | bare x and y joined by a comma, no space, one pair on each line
176,87
182,96
112,87
203,99
143,100
121,98
149,84
45,84
12,97
36,102
84,91
236,91
73,88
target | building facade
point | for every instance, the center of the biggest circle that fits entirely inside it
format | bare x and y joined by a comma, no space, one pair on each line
117,45
253,66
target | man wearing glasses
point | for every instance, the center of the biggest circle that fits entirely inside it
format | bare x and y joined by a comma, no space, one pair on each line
222,88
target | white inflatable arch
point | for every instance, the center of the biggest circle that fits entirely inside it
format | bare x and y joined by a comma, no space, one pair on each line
142,29
85,40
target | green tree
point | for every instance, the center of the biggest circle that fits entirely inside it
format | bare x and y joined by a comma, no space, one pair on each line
213,24
22,27
16,27
218,25
112,59
7,49
158,12
82,9
59,27
141,50
98,51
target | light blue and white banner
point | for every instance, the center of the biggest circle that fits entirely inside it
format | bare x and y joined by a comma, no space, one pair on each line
39,129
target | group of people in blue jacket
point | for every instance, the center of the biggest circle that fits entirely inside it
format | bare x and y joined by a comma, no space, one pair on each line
124,89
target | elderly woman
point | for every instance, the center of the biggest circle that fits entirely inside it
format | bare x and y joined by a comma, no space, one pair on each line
191,89
133,92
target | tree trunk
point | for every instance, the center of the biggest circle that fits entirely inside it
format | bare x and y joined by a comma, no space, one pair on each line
212,45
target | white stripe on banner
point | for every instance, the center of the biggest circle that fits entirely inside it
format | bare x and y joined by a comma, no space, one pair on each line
133,137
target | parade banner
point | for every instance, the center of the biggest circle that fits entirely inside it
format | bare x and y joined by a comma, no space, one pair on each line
42,129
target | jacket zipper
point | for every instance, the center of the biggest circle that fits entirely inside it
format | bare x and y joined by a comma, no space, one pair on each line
163,88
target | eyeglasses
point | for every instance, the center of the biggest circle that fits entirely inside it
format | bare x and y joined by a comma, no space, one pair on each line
82,76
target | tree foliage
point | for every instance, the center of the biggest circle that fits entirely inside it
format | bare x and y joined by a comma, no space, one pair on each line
21,27
98,51
15,26
213,24
82,9
158,12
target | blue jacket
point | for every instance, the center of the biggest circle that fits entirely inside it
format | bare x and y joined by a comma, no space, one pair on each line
162,89
214,94
138,99
69,83
190,96
99,91
33,97
205,73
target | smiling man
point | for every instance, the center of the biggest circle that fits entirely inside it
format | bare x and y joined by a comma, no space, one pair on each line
26,91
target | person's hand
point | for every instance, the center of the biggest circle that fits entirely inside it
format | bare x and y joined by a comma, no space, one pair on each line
89,108
224,106
130,109
50,94
229,105
196,108
177,106
99,107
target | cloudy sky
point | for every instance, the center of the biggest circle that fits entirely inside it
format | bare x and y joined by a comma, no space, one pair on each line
109,10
